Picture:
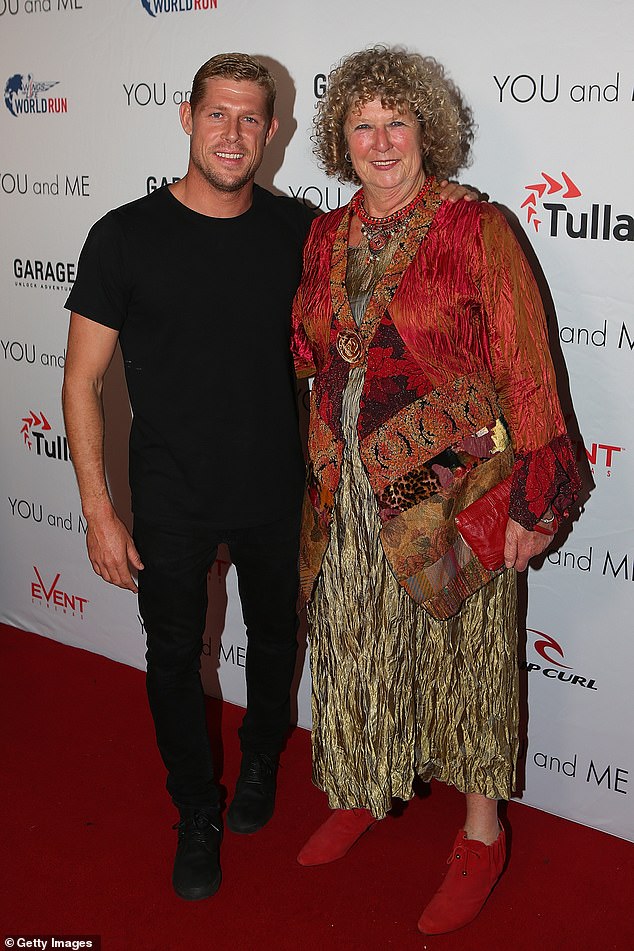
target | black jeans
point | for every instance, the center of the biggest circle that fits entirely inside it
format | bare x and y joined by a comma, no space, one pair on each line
173,605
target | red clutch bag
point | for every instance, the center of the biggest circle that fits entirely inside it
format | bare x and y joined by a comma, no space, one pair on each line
482,524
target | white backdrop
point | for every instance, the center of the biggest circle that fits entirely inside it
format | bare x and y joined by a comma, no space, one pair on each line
90,121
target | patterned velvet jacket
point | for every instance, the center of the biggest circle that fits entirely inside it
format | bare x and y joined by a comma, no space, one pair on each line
459,392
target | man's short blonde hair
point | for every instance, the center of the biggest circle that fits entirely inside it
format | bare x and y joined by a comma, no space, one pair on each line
238,66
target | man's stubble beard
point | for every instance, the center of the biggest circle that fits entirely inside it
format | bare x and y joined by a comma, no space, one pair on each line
220,184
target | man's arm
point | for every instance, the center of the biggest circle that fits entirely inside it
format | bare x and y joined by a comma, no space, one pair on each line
90,350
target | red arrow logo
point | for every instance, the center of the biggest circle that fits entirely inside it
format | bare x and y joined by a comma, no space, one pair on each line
553,184
33,420
573,191
549,186
539,188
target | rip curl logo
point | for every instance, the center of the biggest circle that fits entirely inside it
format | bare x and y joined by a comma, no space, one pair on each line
23,96
29,423
545,643
551,651
549,186
155,7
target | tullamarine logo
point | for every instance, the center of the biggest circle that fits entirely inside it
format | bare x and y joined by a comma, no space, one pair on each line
560,219
551,652
38,434
156,7
23,96
54,597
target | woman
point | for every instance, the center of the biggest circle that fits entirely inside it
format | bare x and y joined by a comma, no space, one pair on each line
433,383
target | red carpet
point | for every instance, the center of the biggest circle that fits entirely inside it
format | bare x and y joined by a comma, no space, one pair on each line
87,845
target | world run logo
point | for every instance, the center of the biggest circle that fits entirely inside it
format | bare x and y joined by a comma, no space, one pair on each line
35,434
155,7
22,96
562,219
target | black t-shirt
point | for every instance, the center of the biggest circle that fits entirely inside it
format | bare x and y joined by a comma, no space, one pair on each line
203,309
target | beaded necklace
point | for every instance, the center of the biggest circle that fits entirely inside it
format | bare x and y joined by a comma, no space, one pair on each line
378,231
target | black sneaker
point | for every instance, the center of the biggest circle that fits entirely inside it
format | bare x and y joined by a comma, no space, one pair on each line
254,799
197,864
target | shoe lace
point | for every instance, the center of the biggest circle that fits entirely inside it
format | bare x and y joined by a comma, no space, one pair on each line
197,827
258,768
463,854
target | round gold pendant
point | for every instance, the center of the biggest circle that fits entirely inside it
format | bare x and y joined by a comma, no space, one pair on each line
349,345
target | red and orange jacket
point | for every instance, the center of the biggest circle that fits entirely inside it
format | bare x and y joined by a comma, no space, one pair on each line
459,391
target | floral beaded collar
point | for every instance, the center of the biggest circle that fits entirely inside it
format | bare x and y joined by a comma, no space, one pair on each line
378,231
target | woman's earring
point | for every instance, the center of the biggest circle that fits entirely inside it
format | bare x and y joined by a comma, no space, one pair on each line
347,157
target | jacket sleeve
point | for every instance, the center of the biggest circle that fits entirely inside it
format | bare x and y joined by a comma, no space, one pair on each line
300,344
545,473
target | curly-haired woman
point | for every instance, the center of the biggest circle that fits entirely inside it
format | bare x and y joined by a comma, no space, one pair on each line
433,383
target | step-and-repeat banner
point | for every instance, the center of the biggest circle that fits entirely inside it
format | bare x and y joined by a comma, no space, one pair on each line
89,121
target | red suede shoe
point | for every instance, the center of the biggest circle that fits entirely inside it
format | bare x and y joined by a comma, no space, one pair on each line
474,868
336,836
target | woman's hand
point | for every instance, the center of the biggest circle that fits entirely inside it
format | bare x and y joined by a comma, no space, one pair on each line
521,545
453,191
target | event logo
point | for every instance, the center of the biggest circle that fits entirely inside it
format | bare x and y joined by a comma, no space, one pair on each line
22,96
596,223
154,7
53,596
601,456
551,651
34,428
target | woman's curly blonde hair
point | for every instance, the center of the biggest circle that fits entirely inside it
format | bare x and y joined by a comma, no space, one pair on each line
401,80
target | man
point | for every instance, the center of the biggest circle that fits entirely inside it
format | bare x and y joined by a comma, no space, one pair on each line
196,281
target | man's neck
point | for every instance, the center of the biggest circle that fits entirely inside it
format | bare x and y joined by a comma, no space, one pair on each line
196,193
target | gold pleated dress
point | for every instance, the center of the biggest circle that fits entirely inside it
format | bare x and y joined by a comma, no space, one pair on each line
396,693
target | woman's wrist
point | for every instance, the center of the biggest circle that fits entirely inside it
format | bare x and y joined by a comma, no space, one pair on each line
548,523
